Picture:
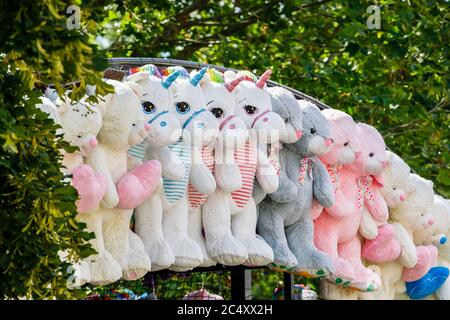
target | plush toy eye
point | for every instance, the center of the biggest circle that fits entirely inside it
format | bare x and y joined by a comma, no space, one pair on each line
394,188
148,107
312,130
371,154
286,120
182,107
217,112
250,109
345,144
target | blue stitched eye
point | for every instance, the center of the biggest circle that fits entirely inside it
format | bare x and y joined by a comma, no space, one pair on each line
163,124
182,107
148,107
200,125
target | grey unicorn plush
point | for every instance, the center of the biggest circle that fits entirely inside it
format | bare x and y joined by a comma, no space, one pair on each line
285,220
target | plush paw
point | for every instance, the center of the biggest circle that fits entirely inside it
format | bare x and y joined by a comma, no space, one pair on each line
344,273
366,280
186,251
91,188
384,248
104,269
135,264
138,184
284,259
259,252
226,250
314,264
428,284
160,254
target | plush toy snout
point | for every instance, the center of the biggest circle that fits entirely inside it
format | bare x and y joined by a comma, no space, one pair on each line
437,240
138,132
424,220
86,143
269,125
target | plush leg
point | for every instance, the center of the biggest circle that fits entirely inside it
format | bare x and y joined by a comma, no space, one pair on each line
187,253
243,227
221,245
135,263
325,239
366,279
138,184
443,293
311,262
271,228
329,291
149,228
103,268
426,257
195,232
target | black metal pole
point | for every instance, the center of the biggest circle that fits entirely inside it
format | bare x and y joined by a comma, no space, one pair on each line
238,283
288,285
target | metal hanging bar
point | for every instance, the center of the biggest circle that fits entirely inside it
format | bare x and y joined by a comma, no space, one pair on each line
192,64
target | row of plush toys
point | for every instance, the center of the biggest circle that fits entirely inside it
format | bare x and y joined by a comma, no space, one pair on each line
219,168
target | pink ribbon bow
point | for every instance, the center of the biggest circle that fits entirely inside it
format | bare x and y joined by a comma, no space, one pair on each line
272,154
364,183
333,171
305,166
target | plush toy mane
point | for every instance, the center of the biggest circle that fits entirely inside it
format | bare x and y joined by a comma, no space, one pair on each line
150,68
215,75
183,72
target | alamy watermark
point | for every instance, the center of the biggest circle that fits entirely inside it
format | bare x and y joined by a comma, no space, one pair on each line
374,20
73,21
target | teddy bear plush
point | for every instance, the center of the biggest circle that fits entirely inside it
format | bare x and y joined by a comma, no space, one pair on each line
199,128
229,216
233,134
285,220
80,124
123,126
156,105
436,234
337,229
337,224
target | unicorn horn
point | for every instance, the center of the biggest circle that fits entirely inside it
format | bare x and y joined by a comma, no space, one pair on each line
262,80
166,83
232,84
196,79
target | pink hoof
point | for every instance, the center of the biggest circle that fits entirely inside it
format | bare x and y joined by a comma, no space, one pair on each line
91,188
138,184
384,247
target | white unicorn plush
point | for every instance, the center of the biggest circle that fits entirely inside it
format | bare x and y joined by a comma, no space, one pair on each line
200,128
219,156
156,103
230,217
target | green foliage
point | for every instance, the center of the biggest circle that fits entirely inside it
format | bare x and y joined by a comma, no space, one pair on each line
395,78
37,212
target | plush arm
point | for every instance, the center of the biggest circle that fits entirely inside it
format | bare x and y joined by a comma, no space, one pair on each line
378,208
322,186
97,161
266,174
226,171
200,176
172,166
342,206
408,256
287,191
368,227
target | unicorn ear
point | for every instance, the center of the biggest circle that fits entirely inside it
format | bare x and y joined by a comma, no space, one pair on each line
229,75
138,76
136,88
232,84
